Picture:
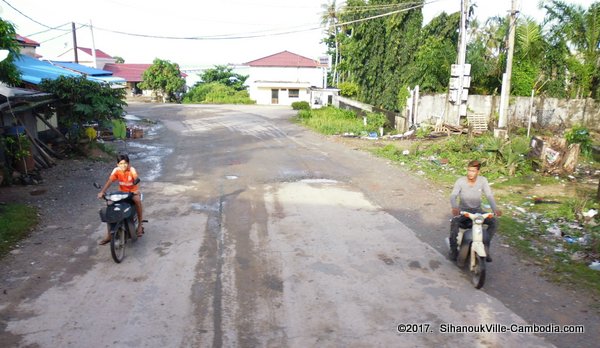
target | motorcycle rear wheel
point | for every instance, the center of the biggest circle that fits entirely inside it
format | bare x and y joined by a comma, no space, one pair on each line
117,244
478,274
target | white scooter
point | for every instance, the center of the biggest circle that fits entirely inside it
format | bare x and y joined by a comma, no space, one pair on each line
471,247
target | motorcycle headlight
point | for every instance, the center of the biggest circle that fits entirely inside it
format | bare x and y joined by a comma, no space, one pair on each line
479,220
115,197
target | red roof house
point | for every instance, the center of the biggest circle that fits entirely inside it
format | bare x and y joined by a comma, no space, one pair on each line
99,53
27,46
284,59
283,78
130,72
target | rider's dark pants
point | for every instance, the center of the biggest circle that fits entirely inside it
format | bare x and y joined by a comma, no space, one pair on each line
461,221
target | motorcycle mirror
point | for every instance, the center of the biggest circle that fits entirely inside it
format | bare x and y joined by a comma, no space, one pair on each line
136,181
96,185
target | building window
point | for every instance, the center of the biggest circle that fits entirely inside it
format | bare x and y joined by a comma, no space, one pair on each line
294,93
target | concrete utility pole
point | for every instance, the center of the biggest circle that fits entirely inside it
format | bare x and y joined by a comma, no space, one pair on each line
462,56
93,46
503,117
74,41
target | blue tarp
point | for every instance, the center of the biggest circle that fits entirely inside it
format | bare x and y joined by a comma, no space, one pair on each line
82,69
33,71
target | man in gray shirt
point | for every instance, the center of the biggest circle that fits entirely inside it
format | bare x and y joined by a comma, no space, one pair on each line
469,190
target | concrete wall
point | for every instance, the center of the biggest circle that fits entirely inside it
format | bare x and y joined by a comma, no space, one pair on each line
545,111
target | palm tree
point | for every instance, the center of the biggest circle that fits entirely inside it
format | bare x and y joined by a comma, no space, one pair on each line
330,20
580,30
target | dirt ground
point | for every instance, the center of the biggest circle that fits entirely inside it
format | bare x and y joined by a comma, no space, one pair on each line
560,304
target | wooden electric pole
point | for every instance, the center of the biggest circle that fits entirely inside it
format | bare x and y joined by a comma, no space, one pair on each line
74,41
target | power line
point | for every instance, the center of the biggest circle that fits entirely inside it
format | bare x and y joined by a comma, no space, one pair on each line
26,16
47,30
250,35
61,35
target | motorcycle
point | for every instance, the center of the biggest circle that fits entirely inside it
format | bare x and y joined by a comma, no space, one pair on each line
471,247
120,215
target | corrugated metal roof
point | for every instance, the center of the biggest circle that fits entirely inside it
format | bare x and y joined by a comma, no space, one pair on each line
99,53
26,41
82,69
33,70
284,59
130,72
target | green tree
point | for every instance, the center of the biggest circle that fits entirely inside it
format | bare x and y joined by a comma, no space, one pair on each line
529,52
82,101
216,93
8,71
330,20
485,53
435,55
119,60
572,27
377,53
225,76
164,78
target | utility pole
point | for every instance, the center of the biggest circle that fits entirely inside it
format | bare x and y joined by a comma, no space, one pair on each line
93,46
460,64
74,41
505,94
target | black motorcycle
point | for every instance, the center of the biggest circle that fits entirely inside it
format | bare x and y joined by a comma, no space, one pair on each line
121,217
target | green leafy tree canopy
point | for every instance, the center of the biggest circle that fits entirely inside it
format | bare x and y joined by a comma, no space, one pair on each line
8,72
163,77
83,101
225,76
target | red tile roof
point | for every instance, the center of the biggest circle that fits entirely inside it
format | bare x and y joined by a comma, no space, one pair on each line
284,59
130,72
26,42
99,53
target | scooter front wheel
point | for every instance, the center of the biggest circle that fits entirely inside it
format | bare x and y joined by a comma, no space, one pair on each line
117,244
478,272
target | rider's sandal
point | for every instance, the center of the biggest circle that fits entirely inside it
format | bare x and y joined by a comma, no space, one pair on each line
140,234
104,241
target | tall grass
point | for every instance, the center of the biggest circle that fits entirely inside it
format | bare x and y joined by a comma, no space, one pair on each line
16,220
330,120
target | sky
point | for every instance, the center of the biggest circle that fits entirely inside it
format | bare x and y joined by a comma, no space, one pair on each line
224,31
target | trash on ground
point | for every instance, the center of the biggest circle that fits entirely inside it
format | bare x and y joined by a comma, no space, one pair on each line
595,266
554,230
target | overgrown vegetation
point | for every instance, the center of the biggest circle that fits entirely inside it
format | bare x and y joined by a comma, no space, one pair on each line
164,78
330,120
552,229
8,71
301,105
219,85
81,101
16,220
556,58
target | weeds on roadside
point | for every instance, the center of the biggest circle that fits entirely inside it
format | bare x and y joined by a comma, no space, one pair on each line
330,120
507,166
16,220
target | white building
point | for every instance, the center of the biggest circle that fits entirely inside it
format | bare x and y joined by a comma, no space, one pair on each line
283,78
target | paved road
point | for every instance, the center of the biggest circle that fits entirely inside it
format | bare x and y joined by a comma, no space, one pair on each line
261,234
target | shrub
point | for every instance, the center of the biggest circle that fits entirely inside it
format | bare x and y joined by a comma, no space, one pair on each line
580,135
304,114
301,105
348,89
216,93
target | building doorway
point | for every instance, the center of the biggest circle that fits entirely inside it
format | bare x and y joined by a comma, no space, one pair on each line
275,96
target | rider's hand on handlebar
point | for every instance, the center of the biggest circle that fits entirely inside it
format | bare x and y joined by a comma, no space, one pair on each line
498,213
455,212
100,195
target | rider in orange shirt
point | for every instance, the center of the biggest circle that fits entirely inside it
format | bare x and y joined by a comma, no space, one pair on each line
125,174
